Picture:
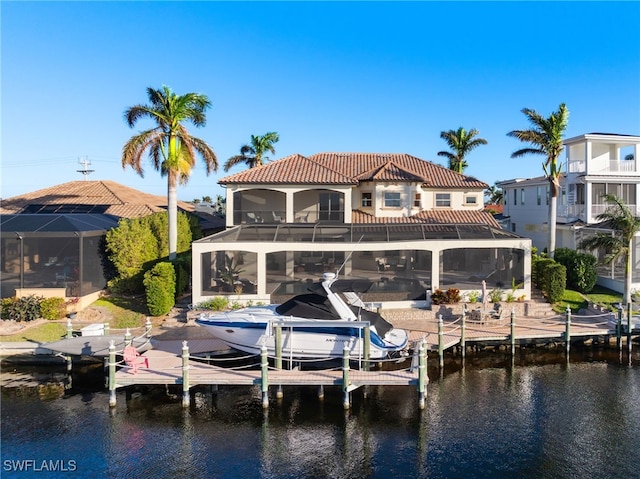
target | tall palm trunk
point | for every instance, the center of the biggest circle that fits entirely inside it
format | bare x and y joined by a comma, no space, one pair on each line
553,214
627,275
172,215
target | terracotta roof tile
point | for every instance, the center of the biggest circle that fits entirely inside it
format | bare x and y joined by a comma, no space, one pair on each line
294,169
117,199
431,217
350,168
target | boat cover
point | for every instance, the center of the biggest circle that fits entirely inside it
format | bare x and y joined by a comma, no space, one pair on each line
342,285
316,306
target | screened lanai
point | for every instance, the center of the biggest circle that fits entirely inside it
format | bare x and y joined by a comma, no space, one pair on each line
47,252
271,263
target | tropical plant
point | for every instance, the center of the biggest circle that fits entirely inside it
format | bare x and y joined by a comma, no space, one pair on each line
171,148
461,143
473,296
495,195
545,138
229,273
495,295
160,288
253,154
617,244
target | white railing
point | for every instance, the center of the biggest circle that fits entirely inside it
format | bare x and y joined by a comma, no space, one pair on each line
602,166
599,209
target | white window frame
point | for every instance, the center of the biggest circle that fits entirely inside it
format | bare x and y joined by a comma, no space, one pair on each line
363,197
439,201
388,200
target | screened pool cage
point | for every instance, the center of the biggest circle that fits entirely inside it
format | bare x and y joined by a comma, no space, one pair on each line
41,252
275,262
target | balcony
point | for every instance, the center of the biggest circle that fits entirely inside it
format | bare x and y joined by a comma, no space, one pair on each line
280,216
599,209
597,166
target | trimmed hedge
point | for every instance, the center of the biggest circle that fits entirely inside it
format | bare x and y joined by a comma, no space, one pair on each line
160,288
53,308
581,269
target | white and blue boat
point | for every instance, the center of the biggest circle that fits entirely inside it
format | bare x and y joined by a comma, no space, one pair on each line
317,324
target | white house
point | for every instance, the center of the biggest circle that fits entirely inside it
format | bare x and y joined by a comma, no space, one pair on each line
596,164
408,224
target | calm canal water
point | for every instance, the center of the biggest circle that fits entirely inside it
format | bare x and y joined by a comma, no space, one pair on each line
543,420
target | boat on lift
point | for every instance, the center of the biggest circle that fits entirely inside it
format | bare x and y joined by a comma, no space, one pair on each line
317,324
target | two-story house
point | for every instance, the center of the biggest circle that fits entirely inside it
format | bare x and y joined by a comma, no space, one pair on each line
410,225
596,164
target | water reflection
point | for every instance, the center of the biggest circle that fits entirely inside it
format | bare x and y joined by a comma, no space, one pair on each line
546,420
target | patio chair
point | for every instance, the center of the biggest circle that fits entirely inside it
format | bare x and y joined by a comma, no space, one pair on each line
276,218
132,358
254,218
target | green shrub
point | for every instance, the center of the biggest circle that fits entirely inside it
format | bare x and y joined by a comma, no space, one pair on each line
583,273
182,266
555,282
7,305
25,309
538,271
495,295
160,288
218,303
473,296
53,308
564,256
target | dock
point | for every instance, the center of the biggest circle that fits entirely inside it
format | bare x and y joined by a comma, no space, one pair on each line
187,355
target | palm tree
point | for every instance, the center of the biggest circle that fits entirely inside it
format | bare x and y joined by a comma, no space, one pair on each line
252,154
495,195
545,137
617,244
171,149
461,143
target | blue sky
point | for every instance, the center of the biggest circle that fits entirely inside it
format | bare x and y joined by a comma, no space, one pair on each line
328,76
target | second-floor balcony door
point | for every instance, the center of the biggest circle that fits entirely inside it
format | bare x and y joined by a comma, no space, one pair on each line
330,207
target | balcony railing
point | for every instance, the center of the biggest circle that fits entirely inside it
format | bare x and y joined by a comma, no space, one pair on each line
258,216
599,209
602,166
280,216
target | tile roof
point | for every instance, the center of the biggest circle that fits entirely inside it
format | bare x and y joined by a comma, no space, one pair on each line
351,168
114,198
431,217
294,169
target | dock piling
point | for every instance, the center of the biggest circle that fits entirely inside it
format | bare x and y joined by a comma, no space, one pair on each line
629,329
112,374
440,342
264,368
422,375
345,378
69,329
127,338
619,329
186,400
512,335
567,334
463,329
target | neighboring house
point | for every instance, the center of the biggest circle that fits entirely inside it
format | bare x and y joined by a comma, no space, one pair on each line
596,164
409,224
49,239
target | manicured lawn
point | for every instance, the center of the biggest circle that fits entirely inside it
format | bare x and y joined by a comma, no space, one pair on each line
576,301
126,312
43,333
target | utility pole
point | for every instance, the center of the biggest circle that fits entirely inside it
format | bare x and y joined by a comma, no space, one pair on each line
85,171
